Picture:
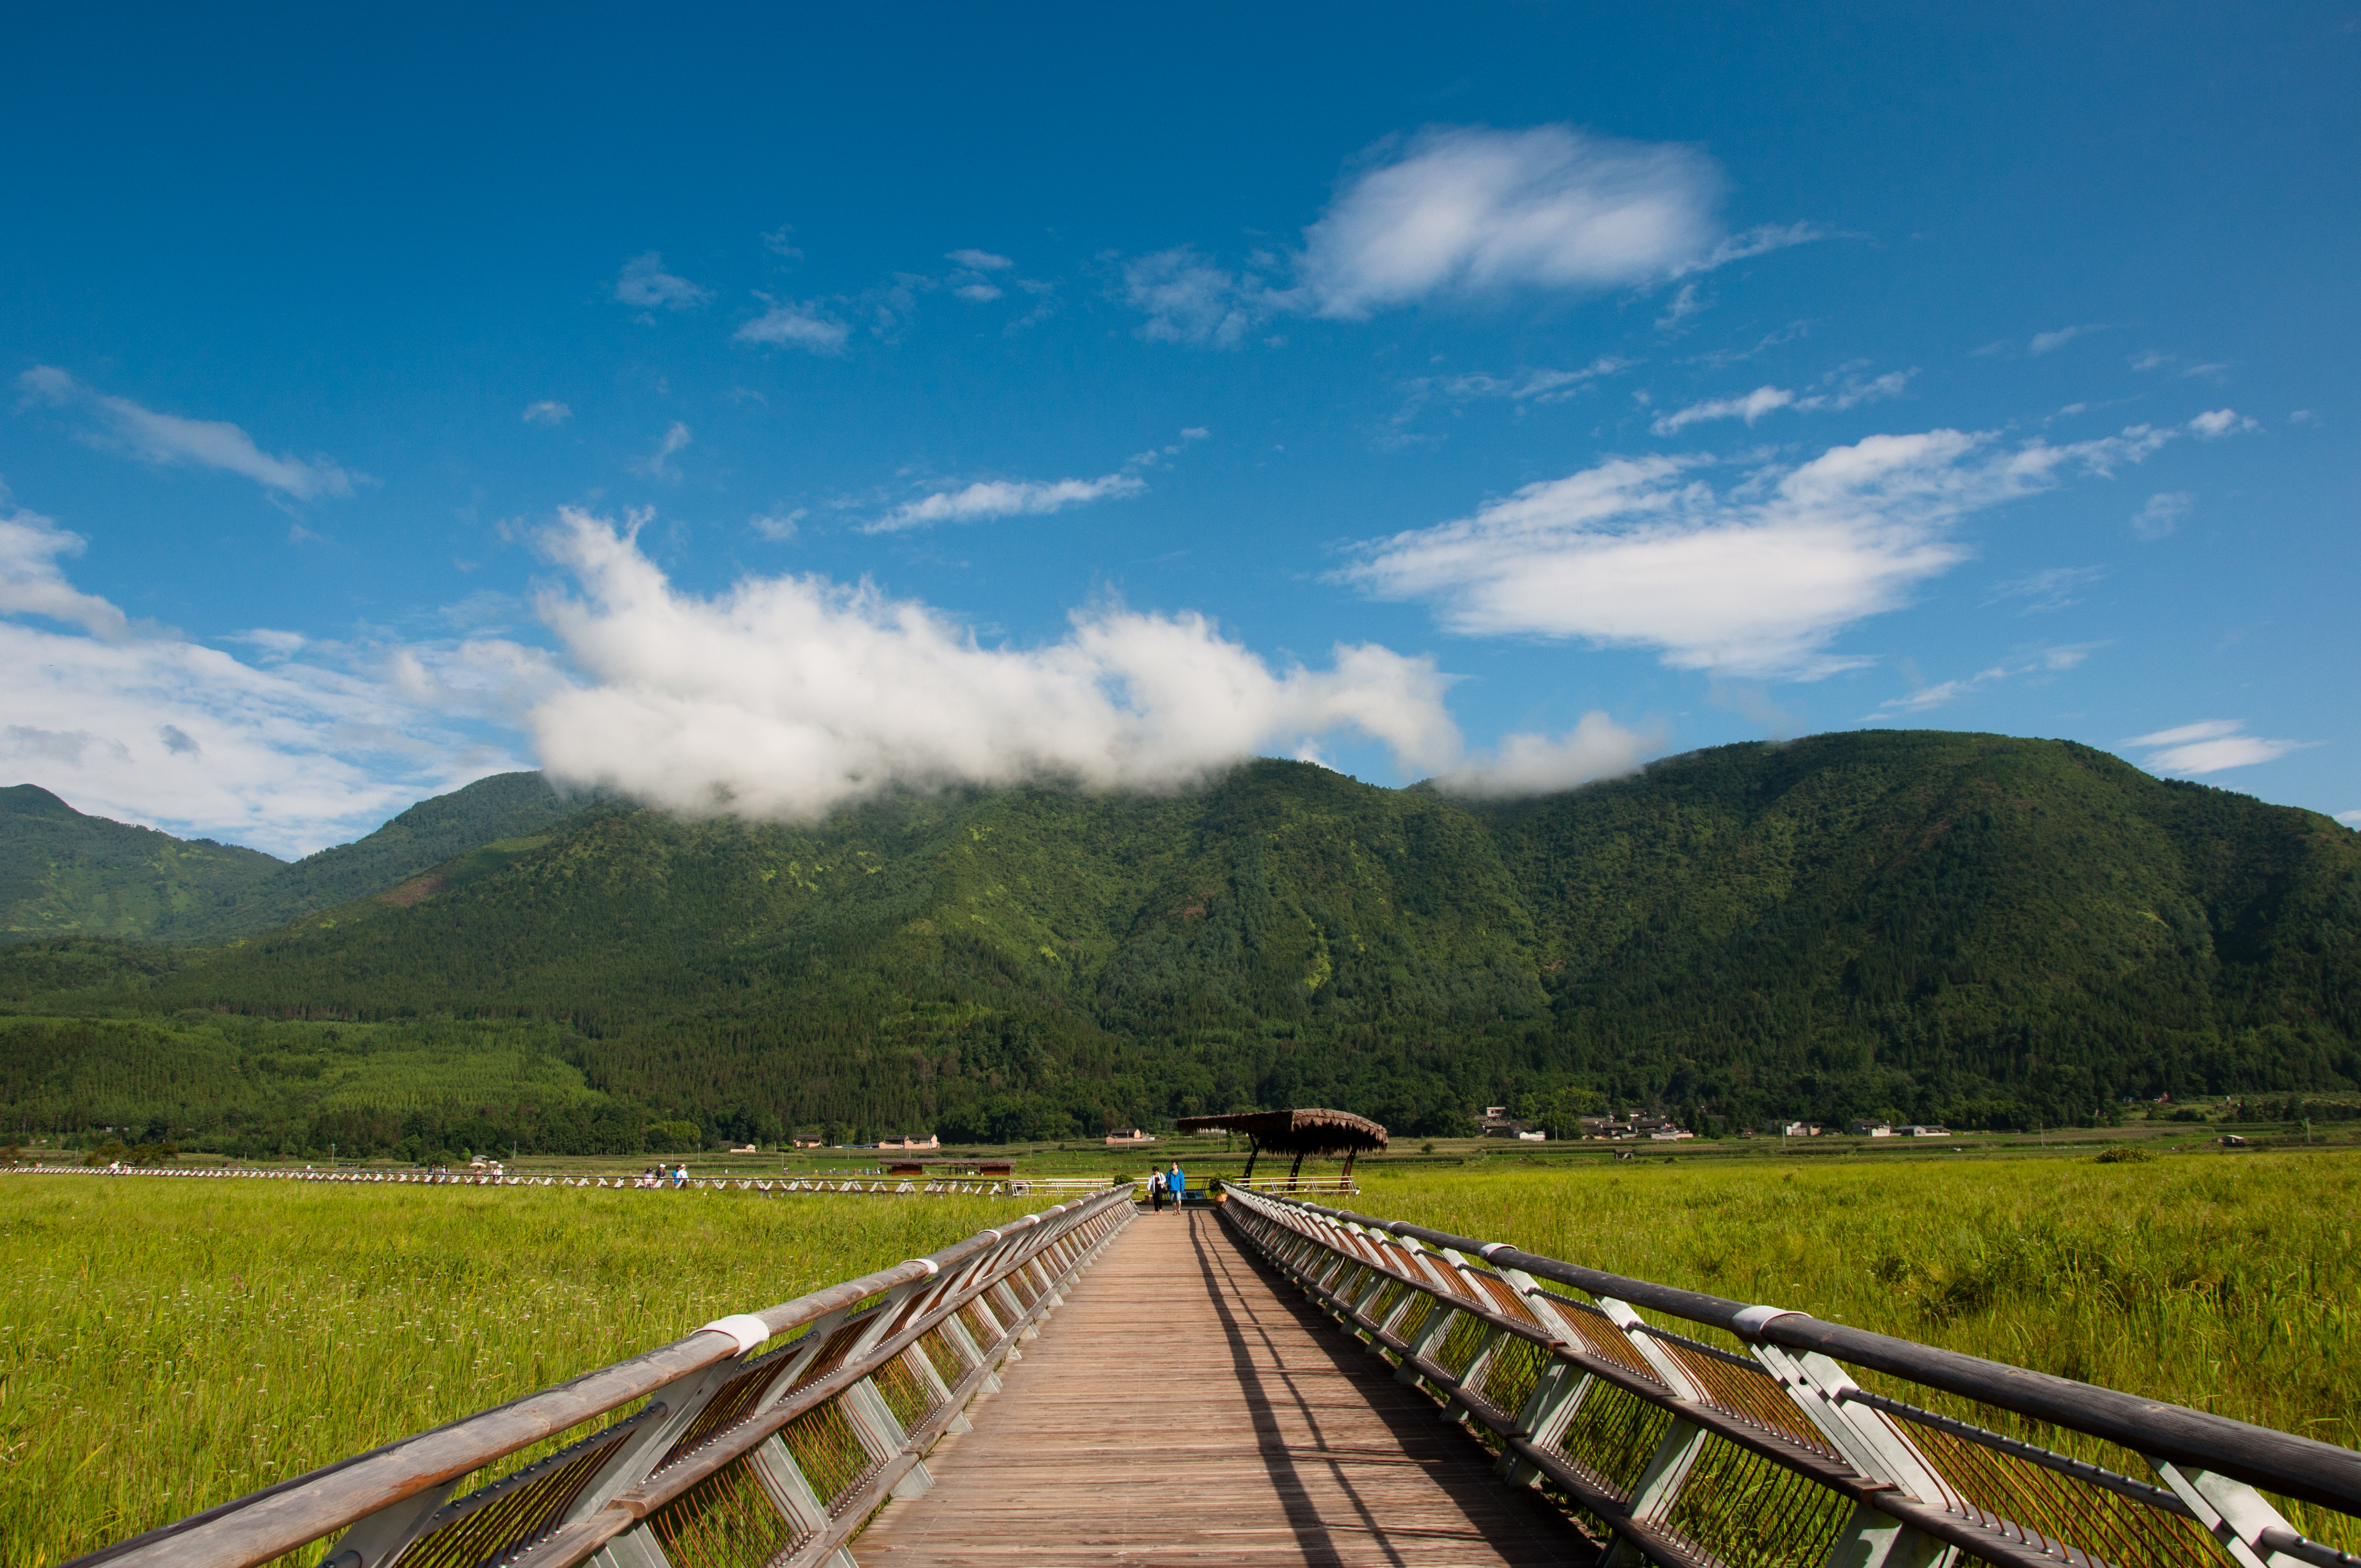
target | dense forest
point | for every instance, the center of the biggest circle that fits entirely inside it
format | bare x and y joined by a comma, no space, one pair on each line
1975,930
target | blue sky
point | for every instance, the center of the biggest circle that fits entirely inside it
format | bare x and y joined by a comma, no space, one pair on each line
753,409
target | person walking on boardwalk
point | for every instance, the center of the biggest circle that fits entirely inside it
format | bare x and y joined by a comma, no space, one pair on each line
1155,1191
1177,1184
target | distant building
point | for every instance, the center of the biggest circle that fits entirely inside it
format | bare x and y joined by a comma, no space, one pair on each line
1498,1123
1132,1140
1666,1135
1800,1129
811,1142
1920,1129
1533,1137
914,1142
746,1149
1871,1129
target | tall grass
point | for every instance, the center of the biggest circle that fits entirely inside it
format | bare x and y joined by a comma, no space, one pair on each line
165,1345
2226,1283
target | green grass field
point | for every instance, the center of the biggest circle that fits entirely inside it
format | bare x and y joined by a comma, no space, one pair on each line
2229,1283
165,1346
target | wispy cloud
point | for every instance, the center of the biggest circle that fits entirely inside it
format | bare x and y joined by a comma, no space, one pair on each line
645,284
778,527
2162,514
170,440
1524,765
2157,359
980,260
2056,587
988,499
1925,700
2221,422
985,500
33,579
657,464
1469,213
2209,747
1754,581
1852,394
788,324
136,722
548,413
2043,343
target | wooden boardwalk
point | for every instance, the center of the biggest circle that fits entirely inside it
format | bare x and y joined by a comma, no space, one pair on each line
1185,1407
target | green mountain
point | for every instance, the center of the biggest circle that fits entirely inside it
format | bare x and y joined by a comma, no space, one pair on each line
505,805
62,874
1962,928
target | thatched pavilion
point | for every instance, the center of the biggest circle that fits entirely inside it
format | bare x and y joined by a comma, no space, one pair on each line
1299,1133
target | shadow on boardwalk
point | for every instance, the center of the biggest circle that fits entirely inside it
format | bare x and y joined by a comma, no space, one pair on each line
1187,1406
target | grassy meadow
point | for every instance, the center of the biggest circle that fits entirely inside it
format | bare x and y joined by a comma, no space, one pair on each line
2226,1283
168,1346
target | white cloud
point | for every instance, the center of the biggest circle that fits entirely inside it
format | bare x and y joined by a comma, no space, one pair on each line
171,440
1596,748
1187,299
1640,552
1749,408
547,412
142,725
2350,819
988,499
32,583
2162,514
1686,303
980,260
776,527
645,282
2209,747
1766,400
2056,588
2303,416
657,464
1472,210
792,325
2047,341
788,695
978,293
1473,213
2042,662
2221,422
1540,386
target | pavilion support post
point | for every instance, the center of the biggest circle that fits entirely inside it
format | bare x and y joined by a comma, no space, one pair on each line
1349,1163
1254,1150
1297,1169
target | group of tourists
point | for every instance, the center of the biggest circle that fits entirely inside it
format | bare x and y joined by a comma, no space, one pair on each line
1164,1184
657,1176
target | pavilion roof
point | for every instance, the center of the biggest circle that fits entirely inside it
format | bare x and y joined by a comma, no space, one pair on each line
1295,1131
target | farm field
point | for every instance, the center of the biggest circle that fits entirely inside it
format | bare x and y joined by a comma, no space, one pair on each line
168,1346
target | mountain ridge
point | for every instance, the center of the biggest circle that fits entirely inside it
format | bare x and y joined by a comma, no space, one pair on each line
1981,929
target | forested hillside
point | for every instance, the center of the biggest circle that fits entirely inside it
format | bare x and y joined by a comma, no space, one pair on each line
64,873
1972,929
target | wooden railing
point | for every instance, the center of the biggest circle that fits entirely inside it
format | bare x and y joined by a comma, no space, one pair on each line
737,1453
1765,1449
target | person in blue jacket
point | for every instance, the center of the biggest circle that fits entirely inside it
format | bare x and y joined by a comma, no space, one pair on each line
1176,1184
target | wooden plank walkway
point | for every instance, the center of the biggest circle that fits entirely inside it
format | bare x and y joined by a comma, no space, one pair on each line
1186,1407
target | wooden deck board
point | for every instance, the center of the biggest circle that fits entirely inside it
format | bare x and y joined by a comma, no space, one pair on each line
1184,1408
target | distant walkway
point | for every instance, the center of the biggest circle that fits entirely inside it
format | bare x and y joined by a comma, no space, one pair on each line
1182,1409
